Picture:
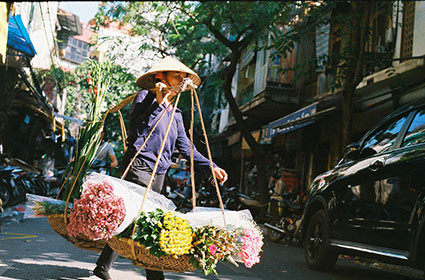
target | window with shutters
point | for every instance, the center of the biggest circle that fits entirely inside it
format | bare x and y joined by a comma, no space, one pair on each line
407,28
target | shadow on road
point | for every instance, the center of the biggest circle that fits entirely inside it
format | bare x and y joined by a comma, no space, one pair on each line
20,270
32,250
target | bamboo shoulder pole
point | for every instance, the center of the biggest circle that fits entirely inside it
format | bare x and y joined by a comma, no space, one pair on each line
155,166
144,143
192,167
123,132
209,155
159,155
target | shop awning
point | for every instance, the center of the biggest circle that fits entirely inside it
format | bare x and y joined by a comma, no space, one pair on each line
288,123
18,38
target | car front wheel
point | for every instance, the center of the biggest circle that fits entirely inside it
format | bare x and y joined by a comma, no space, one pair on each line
318,254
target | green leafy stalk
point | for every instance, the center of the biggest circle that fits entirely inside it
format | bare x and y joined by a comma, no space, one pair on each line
89,138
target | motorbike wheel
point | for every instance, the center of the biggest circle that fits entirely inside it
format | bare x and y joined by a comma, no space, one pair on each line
4,195
273,235
318,254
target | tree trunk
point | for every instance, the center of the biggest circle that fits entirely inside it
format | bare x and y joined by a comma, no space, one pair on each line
362,12
255,147
347,116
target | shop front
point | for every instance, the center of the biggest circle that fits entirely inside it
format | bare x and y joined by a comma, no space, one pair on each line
293,142
29,131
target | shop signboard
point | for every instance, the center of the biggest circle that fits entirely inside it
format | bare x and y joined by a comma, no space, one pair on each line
272,129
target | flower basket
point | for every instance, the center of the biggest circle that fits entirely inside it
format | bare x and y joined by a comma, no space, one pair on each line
57,223
166,242
88,142
54,209
141,256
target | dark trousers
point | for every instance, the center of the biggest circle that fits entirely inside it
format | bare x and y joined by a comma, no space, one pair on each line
139,173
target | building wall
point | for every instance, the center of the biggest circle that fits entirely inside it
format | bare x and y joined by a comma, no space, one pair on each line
224,117
419,30
397,25
76,51
40,19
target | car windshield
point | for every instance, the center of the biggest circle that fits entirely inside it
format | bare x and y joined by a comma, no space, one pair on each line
384,137
416,132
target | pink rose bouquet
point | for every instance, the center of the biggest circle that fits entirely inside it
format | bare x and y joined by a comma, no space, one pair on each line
98,212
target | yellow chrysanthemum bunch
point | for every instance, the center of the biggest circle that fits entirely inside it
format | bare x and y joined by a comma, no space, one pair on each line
176,235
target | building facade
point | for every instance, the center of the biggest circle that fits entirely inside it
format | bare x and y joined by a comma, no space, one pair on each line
297,117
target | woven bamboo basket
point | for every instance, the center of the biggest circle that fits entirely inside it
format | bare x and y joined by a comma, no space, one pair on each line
57,223
144,259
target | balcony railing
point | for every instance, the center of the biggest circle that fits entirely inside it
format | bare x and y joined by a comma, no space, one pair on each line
260,79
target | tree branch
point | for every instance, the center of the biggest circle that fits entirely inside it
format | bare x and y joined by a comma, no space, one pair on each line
220,37
247,40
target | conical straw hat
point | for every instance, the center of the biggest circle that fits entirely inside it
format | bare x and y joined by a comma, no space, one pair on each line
147,80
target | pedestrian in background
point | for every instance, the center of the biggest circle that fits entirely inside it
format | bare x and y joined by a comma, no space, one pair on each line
105,152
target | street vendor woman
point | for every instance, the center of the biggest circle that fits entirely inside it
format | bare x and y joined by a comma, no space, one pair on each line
147,108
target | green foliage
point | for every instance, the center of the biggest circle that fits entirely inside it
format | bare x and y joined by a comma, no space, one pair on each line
79,102
122,84
341,15
147,231
61,78
192,32
223,239
89,138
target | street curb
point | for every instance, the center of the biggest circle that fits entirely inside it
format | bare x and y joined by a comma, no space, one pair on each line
405,270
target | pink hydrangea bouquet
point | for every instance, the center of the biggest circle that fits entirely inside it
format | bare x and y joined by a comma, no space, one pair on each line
251,241
98,212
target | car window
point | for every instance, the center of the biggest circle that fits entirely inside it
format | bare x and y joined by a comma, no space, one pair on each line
384,137
416,132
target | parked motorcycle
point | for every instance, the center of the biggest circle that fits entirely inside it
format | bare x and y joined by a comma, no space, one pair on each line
11,192
284,214
251,202
208,197
231,197
177,197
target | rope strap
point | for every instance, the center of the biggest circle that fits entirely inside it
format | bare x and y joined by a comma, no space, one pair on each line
156,166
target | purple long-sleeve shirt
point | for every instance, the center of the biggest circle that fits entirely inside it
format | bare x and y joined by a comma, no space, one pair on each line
145,112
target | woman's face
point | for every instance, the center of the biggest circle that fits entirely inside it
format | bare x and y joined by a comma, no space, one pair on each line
175,78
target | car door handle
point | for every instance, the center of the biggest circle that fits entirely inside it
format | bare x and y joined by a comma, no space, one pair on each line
376,165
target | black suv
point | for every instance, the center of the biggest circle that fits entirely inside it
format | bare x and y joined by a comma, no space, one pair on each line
372,203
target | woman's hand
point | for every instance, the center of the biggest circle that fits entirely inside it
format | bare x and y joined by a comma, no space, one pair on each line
220,174
161,92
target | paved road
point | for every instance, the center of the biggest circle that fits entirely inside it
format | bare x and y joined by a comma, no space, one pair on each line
30,249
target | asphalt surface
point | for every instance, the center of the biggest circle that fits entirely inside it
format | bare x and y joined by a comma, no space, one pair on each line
30,249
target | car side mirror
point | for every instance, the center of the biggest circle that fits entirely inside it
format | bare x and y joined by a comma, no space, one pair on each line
352,151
